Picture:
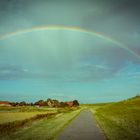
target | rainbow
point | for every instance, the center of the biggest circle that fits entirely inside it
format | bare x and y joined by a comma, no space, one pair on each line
68,28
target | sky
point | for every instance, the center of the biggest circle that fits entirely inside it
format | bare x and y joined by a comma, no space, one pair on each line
87,50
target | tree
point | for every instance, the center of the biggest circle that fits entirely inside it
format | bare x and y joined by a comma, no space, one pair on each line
75,103
62,104
23,103
41,103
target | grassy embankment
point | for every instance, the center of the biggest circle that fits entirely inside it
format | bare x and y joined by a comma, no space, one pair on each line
36,125
120,120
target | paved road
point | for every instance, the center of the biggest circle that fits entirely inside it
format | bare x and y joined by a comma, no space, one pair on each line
83,127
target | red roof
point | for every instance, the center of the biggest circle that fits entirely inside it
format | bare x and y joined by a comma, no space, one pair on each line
4,102
69,103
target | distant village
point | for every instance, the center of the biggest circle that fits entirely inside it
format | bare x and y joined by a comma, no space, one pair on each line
49,102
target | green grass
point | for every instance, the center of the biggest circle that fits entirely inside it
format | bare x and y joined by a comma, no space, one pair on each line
121,120
11,127
10,114
21,122
6,117
26,109
44,129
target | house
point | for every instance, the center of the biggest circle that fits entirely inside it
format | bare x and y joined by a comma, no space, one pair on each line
5,103
53,103
56,103
72,103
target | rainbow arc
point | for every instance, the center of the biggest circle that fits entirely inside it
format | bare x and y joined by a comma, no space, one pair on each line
68,28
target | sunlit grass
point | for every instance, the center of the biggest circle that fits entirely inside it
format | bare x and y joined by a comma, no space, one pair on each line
44,129
9,114
25,109
120,121
15,116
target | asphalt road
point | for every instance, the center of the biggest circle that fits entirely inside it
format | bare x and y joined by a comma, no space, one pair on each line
83,127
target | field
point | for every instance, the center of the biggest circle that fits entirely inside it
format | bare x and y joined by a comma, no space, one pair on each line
9,114
34,123
118,120
121,120
15,116
26,109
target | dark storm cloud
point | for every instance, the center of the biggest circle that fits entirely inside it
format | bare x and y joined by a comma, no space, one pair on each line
104,15
42,63
11,7
131,7
116,18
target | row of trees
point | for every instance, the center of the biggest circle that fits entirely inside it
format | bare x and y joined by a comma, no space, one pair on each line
48,102
23,103
41,103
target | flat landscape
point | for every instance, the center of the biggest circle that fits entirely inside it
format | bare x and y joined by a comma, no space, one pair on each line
43,124
69,69
112,121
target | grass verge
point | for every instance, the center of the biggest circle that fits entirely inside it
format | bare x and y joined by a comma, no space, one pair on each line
120,121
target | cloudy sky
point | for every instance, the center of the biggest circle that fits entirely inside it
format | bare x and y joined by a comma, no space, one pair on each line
80,49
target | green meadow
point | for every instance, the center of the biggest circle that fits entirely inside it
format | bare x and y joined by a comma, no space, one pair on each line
120,120
14,116
20,123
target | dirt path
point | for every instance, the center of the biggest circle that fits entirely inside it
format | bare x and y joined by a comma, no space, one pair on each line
83,127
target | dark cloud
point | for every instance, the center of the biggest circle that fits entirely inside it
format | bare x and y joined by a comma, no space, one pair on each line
11,72
131,7
109,16
41,63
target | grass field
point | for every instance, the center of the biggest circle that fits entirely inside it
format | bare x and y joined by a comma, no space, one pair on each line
121,120
15,116
26,109
9,114
44,129
31,122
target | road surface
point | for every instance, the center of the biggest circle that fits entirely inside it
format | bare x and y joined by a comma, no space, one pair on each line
83,127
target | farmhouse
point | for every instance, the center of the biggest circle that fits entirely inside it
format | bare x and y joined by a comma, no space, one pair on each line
53,103
5,103
56,103
72,103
